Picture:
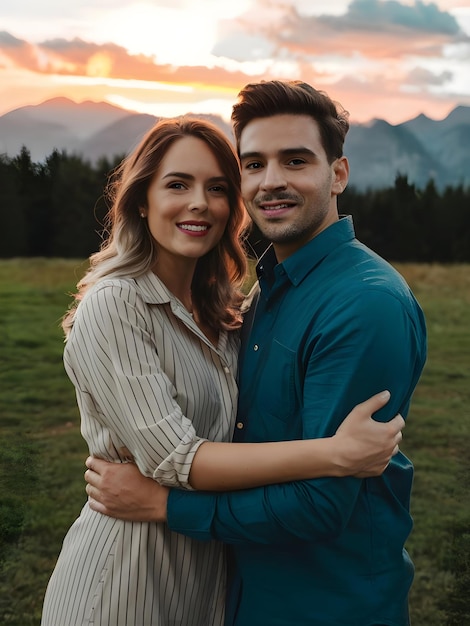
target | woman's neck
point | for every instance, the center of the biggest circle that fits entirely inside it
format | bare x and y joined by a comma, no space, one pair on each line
178,278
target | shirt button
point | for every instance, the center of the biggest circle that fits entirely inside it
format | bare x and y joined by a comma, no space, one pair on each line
239,425
226,369
256,347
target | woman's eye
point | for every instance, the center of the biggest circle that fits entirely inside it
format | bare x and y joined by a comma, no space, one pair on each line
176,185
218,189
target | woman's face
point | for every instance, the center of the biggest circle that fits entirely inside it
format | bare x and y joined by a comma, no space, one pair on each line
187,202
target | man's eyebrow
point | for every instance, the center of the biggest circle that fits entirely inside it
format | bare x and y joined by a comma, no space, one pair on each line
250,155
298,150
285,152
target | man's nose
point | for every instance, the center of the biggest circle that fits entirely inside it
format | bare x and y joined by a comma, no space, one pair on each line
274,177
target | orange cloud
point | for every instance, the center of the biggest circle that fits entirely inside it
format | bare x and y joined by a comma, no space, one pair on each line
372,45
81,58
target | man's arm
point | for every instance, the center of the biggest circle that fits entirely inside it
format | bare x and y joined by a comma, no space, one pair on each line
384,346
120,490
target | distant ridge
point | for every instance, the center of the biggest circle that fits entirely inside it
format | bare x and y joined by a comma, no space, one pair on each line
420,148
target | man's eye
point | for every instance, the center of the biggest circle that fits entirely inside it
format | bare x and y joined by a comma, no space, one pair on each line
296,162
253,166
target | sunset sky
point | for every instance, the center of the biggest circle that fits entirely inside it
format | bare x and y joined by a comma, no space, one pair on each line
389,59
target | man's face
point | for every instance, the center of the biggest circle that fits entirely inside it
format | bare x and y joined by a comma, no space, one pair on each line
288,186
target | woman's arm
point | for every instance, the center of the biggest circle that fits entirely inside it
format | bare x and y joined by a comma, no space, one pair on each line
361,447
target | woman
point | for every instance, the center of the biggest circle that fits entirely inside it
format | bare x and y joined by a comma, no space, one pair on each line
152,348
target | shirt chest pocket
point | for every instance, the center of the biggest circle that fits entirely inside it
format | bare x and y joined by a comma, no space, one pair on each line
276,393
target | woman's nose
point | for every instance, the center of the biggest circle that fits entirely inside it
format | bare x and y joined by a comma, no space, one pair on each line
198,202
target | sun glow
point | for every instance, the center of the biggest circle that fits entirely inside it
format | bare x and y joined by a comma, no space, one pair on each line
99,64
159,32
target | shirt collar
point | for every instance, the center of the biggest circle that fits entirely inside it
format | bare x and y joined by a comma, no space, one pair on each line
152,289
302,262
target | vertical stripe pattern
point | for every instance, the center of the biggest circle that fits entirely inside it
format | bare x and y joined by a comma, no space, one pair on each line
149,384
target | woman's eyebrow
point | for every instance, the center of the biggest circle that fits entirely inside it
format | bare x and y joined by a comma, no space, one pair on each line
186,176
179,175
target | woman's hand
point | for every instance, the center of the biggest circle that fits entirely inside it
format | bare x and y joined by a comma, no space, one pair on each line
366,446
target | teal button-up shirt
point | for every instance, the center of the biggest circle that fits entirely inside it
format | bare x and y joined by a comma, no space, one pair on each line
335,324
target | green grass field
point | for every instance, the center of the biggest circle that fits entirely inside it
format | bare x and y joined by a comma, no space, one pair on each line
42,454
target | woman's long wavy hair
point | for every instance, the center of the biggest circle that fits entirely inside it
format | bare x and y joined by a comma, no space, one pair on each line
130,250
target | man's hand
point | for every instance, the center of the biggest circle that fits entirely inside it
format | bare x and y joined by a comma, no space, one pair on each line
120,490
367,445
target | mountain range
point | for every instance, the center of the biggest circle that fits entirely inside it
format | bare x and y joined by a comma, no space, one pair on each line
420,148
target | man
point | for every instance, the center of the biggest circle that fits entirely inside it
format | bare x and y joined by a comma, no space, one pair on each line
334,323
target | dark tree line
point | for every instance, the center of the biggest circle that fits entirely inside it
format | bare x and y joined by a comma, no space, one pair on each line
56,209
403,223
51,209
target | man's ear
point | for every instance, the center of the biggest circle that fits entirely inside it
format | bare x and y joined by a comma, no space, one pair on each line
341,175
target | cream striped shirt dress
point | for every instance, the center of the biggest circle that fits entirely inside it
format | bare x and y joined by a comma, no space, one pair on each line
148,383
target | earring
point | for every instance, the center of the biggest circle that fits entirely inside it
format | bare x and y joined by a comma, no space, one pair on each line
142,214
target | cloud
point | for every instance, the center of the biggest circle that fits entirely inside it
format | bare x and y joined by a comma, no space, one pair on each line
424,77
371,48
57,9
81,58
8,40
377,28
16,52
390,15
240,46
75,57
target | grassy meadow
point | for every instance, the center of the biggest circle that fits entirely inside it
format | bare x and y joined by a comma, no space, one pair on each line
42,454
